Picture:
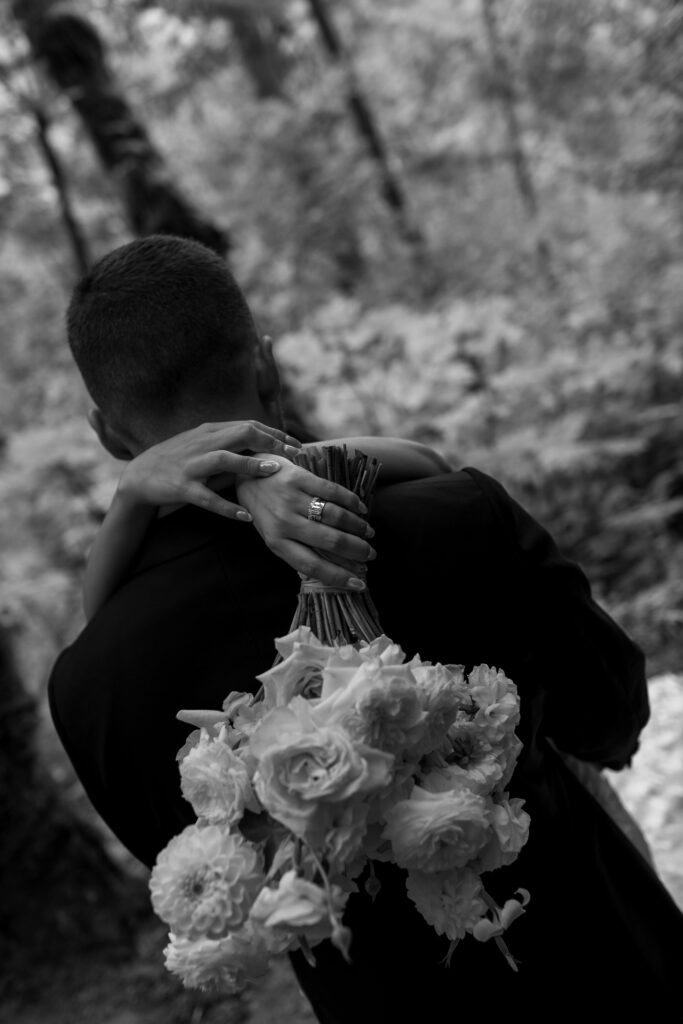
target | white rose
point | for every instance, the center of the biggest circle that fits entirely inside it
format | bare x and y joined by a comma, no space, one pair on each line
216,781
296,908
242,714
305,770
443,692
380,706
344,840
480,775
383,648
511,747
437,831
303,642
509,832
467,757
497,698
300,670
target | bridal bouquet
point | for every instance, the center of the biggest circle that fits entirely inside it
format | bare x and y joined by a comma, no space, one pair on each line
349,754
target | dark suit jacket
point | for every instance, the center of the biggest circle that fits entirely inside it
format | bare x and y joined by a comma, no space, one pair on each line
463,575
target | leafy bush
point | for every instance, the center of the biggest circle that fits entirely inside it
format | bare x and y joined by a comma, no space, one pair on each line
583,429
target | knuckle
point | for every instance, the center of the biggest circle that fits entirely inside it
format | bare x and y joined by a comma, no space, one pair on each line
332,517
354,525
288,484
336,543
278,516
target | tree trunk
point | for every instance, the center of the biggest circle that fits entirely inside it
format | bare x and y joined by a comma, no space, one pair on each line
392,188
28,101
71,51
506,95
74,56
258,39
258,28
79,245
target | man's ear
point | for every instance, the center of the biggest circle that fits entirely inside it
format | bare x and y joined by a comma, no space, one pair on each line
267,373
109,439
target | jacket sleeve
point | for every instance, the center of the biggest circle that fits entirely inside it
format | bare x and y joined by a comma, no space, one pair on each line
591,673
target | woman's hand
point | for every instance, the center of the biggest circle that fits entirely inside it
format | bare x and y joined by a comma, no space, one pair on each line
177,470
334,550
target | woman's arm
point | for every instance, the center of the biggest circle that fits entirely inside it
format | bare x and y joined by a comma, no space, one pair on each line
175,473
114,549
401,459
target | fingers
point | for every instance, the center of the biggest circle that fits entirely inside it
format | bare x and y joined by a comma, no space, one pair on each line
317,487
250,435
334,542
308,563
339,534
341,519
202,497
222,461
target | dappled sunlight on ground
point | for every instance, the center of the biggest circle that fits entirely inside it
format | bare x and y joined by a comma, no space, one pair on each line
652,788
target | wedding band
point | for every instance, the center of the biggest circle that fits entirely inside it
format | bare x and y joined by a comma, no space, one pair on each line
315,509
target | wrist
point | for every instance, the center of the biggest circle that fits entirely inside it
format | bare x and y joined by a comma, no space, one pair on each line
129,497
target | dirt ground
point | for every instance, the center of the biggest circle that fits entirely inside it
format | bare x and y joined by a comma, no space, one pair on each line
137,989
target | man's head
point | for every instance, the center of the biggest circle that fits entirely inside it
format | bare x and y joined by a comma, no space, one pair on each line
164,340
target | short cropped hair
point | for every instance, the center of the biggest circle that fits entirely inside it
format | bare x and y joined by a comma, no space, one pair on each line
154,320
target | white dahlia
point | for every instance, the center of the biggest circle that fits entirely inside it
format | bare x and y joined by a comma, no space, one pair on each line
205,881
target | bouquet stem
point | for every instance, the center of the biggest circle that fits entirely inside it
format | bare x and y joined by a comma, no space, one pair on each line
339,616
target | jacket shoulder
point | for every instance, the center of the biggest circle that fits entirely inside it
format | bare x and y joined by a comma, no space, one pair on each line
467,497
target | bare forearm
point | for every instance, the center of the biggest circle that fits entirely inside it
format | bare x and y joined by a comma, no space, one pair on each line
176,471
114,549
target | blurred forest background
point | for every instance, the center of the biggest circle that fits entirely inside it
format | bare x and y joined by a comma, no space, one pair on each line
461,221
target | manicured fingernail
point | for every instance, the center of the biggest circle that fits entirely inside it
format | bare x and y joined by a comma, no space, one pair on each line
356,583
268,467
363,508
369,532
244,516
372,556
291,450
